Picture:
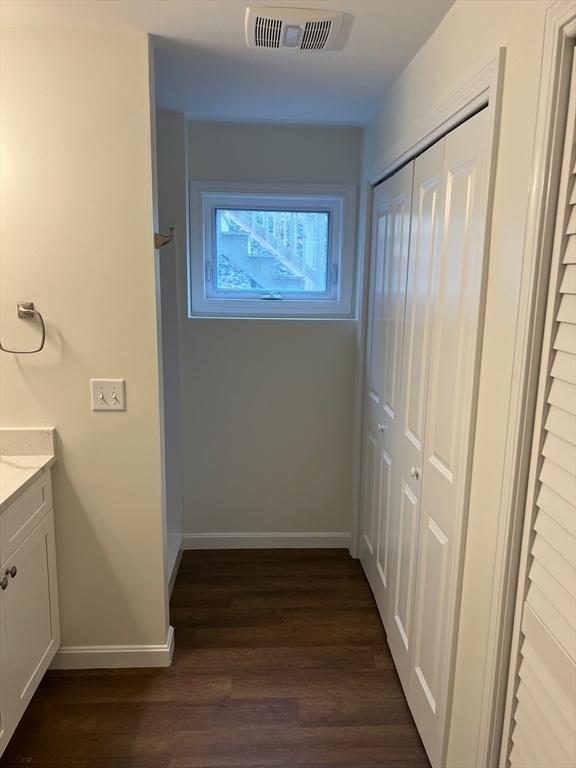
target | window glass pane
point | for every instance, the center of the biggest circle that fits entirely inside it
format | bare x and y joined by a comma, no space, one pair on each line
271,251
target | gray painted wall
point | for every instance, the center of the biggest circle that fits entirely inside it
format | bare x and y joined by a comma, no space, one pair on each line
268,404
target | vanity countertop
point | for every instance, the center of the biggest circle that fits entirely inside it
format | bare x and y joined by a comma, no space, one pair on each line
24,455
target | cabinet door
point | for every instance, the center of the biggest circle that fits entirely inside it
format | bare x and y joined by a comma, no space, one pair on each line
3,668
392,206
425,231
29,619
457,294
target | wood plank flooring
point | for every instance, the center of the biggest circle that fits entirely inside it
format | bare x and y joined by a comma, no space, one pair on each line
280,662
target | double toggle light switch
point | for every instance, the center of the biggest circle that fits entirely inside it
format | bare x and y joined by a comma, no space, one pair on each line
108,394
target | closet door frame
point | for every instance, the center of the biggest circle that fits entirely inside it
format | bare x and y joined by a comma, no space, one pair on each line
546,376
482,89
558,52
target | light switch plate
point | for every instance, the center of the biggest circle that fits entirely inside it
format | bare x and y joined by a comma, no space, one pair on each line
108,394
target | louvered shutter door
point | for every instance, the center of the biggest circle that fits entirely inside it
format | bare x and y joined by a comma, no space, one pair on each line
543,732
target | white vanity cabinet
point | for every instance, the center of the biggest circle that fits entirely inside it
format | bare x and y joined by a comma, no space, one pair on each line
29,622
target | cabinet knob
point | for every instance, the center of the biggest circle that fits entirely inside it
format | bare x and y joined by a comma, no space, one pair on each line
12,571
414,472
381,427
4,583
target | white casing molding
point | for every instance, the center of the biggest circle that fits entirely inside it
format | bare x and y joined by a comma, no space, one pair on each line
266,540
115,656
475,92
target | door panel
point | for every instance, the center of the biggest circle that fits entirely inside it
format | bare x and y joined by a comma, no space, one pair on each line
452,321
424,244
433,568
392,207
394,294
370,477
384,501
381,219
426,224
405,562
382,214
457,293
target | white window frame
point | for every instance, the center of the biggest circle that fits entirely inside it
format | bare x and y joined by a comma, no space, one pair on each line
208,196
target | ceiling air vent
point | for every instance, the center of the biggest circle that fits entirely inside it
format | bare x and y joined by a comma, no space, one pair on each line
299,28
267,33
316,35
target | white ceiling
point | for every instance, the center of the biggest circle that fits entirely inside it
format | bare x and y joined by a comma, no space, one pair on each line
205,69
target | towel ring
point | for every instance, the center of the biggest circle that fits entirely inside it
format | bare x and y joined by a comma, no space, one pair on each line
26,311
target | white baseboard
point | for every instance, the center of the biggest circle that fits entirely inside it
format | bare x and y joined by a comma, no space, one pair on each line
266,541
115,656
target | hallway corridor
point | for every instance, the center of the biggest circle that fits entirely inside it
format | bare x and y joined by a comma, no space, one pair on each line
280,662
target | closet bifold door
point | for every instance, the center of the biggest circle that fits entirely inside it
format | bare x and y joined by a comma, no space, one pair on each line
425,229
389,261
542,692
457,294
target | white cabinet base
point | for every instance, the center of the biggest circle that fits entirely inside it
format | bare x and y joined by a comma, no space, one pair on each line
29,622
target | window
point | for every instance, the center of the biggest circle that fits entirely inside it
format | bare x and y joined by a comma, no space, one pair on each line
259,252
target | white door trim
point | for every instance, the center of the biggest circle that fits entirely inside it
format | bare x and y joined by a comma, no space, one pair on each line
476,91
481,89
559,35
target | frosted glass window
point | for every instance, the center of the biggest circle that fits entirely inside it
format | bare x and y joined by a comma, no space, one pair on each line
271,253
282,252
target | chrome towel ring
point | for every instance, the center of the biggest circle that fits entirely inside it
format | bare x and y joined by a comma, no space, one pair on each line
26,311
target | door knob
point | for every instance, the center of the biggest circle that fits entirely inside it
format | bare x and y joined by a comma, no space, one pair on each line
12,571
4,583
414,472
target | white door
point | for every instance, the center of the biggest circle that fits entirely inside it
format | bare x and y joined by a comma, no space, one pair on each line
457,288
29,618
392,205
541,709
426,227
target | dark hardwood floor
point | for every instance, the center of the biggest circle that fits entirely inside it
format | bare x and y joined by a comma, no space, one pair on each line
280,662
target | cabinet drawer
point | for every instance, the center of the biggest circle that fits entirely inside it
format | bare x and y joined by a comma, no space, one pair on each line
24,514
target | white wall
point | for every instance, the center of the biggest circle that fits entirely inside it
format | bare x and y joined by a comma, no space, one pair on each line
76,238
267,406
171,178
471,32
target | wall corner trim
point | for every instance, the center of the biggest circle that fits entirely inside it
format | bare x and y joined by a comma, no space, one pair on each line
115,656
335,540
